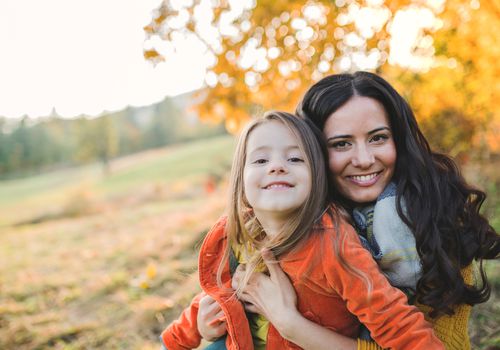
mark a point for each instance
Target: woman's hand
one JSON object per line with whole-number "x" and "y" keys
{"x": 211, "y": 320}
{"x": 272, "y": 296}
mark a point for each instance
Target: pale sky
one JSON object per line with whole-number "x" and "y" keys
{"x": 85, "y": 56}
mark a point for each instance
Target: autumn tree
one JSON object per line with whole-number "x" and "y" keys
{"x": 266, "y": 54}
{"x": 97, "y": 139}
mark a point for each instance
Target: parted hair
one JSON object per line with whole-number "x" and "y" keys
{"x": 442, "y": 210}
{"x": 243, "y": 228}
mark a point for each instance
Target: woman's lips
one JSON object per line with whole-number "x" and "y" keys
{"x": 365, "y": 180}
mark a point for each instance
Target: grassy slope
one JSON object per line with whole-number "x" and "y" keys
{"x": 117, "y": 262}
{"x": 119, "y": 266}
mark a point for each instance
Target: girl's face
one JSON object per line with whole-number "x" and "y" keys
{"x": 277, "y": 176}
{"x": 362, "y": 153}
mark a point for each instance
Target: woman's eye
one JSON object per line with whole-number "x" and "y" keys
{"x": 295, "y": 159}
{"x": 260, "y": 161}
{"x": 339, "y": 144}
{"x": 380, "y": 138}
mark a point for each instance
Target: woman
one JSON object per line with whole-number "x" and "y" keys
{"x": 374, "y": 140}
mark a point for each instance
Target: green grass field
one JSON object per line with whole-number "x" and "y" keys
{"x": 105, "y": 261}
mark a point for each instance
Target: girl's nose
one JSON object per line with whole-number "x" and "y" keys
{"x": 363, "y": 158}
{"x": 277, "y": 167}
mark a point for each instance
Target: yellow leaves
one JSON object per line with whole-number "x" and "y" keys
{"x": 151, "y": 271}
{"x": 153, "y": 55}
{"x": 148, "y": 29}
{"x": 493, "y": 135}
{"x": 237, "y": 121}
{"x": 145, "y": 279}
{"x": 293, "y": 51}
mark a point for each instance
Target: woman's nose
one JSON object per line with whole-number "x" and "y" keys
{"x": 363, "y": 158}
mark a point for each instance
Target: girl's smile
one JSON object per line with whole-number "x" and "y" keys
{"x": 279, "y": 185}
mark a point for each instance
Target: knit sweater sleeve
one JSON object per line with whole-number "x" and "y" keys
{"x": 451, "y": 330}
{"x": 355, "y": 276}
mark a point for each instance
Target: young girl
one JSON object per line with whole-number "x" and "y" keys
{"x": 279, "y": 204}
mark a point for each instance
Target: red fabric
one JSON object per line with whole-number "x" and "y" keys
{"x": 183, "y": 334}
{"x": 328, "y": 292}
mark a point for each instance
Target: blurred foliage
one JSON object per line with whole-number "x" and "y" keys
{"x": 117, "y": 258}
{"x": 266, "y": 53}
{"x": 28, "y": 146}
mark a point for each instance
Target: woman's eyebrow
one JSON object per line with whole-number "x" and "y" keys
{"x": 346, "y": 136}
{"x": 339, "y": 137}
{"x": 379, "y": 129}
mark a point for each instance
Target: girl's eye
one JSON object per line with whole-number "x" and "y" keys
{"x": 260, "y": 161}
{"x": 339, "y": 144}
{"x": 380, "y": 138}
{"x": 296, "y": 160}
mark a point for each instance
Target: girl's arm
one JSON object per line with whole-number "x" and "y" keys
{"x": 182, "y": 334}
{"x": 383, "y": 309}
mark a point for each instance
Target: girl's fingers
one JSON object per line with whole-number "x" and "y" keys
{"x": 219, "y": 314}
{"x": 222, "y": 328}
{"x": 217, "y": 320}
{"x": 209, "y": 306}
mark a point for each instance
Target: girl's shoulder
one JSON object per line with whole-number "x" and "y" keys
{"x": 335, "y": 220}
{"x": 216, "y": 233}
{"x": 333, "y": 226}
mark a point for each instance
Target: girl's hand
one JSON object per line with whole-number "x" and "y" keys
{"x": 211, "y": 320}
{"x": 272, "y": 296}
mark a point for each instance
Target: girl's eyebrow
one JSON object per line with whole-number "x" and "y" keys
{"x": 265, "y": 148}
{"x": 369, "y": 133}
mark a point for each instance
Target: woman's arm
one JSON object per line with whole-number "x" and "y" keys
{"x": 274, "y": 297}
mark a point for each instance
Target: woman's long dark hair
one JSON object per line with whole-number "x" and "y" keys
{"x": 442, "y": 210}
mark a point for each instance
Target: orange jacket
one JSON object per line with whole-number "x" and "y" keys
{"x": 328, "y": 293}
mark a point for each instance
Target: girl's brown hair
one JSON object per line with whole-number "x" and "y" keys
{"x": 242, "y": 226}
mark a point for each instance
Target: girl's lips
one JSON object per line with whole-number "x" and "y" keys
{"x": 278, "y": 186}
{"x": 365, "y": 180}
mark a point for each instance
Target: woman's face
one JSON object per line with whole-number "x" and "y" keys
{"x": 362, "y": 153}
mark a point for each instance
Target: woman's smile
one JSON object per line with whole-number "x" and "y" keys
{"x": 365, "y": 180}
{"x": 362, "y": 153}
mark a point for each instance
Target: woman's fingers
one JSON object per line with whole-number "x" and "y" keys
{"x": 252, "y": 308}
{"x": 271, "y": 263}
{"x": 238, "y": 276}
